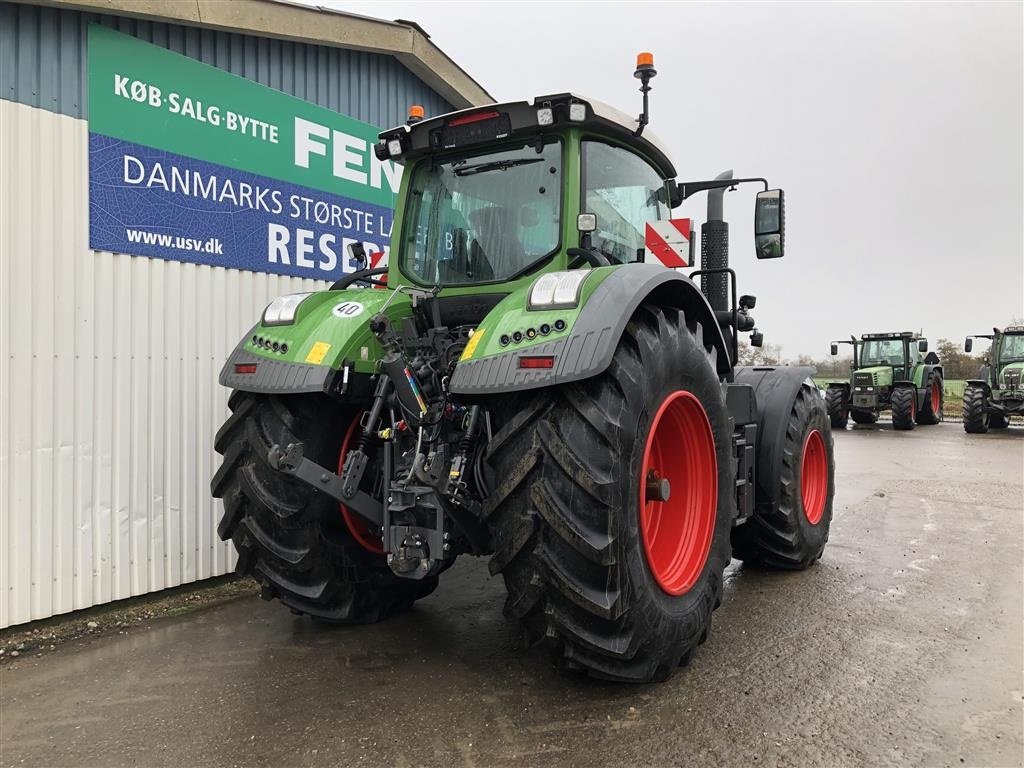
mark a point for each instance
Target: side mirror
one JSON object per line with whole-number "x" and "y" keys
{"x": 922, "y": 345}
{"x": 834, "y": 349}
{"x": 770, "y": 224}
{"x": 968, "y": 344}
{"x": 756, "y": 338}
{"x": 357, "y": 253}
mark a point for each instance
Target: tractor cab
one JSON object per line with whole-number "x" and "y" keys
{"x": 1006, "y": 357}
{"x": 900, "y": 353}
{"x": 494, "y": 197}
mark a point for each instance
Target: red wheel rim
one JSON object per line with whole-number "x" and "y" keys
{"x": 361, "y": 530}
{"x": 913, "y": 404}
{"x": 936, "y": 397}
{"x": 813, "y": 477}
{"x": 677, "y": 532}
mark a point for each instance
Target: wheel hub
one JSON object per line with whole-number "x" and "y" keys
{"x": 658, "y": 487}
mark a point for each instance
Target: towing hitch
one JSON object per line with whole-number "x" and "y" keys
{"x": 292, "y": 461}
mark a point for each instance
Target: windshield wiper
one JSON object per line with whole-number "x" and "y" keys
{"x": 495, "y": 165}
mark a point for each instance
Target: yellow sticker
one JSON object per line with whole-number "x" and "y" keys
{"x": 471, "y": 345}
{"x": 318, "y": 352}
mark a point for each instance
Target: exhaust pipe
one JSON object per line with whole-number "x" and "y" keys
{"x": 714, "y": 249}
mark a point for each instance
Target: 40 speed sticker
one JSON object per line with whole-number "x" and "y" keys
{"x": 347, "y": 309}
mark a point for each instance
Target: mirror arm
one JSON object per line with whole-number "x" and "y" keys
{"x": 593, "y": 258}
{"x": 682, "y": 191}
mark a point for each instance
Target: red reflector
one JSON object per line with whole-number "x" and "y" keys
{"x": 475, "y": 118}
{"x": 547, "y": 361}
{"x": 245, "y": 367}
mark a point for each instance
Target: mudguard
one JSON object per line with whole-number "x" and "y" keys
{"x": 775, "y": 391}
{"x": 329, "y": 338}
{"x": 980, "y": 383}
{"x": 588, "y": 343}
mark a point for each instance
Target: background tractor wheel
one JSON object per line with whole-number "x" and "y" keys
{"x": 998, "y": 421}
{"x": 931, "y": 412}
{"x": 292, "y": 539}
{"x": 904, "y": 407}
{"x": 864, "y": 417}
{"x": 617, "y": 581}
{"x": 976, "y": 418}
{"x": 792, "y": 533}
{"x": 838, "y": 412}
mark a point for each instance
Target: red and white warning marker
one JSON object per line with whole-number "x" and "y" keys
{"x": 668, "y": 242}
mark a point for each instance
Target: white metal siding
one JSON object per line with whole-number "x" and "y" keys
{"x": 109, "y": 400}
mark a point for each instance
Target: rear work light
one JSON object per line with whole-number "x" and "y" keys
{"x": 537, "y": 361}
{"x": 245, "y": 368}
{"x": 474, "y": 118}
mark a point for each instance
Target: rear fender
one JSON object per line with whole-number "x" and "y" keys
{"x": 775, "y": 391}
{"x": 330, "y": 331}
{"x": 585, "y": 348}
{"x": 980, "y": 383}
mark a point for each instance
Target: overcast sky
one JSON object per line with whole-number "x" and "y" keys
{"x": 895, "y": 130}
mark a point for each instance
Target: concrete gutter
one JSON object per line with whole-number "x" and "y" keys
{"x": 406, "y": 41}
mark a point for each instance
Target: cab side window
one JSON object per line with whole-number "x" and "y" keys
{"x": 625, "y": 193}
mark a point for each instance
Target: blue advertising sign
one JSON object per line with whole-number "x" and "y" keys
{"x": 190, "y": 163}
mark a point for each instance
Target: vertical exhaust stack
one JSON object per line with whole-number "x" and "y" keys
{"x": 714, "y": 249}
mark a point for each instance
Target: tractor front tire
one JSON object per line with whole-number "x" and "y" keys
{"x": 838, "y": 411}
{"x": 998, "y": 421}
{"x": 290, "y": 537}
{"x": 864, "y": 417}
{"x": 904, "y": 407}
{"x": 976, "y": 418}
{"x": 612, "y": 504}
{"x": 792, "y": 532}
{"x": 931, "y": 412}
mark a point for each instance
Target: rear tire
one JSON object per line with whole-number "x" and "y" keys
{"x": 904, "y": 407}
{"x": 838, "y": 411}
{"x": 864, "y": 417}
{"x": 931, "y": 412}
{"x": 976, "y": 418}
{"x": 291, "y": 538}
{"x": 792, "y": 533}
{"x": 998, "y": 421}
{"x": 567, "y": 517}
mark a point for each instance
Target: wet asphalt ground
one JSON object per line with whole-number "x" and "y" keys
{"x": 902, "y": 646}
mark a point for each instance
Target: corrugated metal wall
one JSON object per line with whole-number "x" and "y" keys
{"x": 108, "y": 363}
{"x": 43, "y": 63}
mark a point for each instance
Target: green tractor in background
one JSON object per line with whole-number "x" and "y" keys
{"x": 890, "y": 371}
{"x": 531, "y": 378}
{"x": 997, "y": 393}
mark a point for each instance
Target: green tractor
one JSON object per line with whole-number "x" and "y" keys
{"x": 531, "y": 380}
{"x": 891, "y": 371}
{"x": 997, "y": 393}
